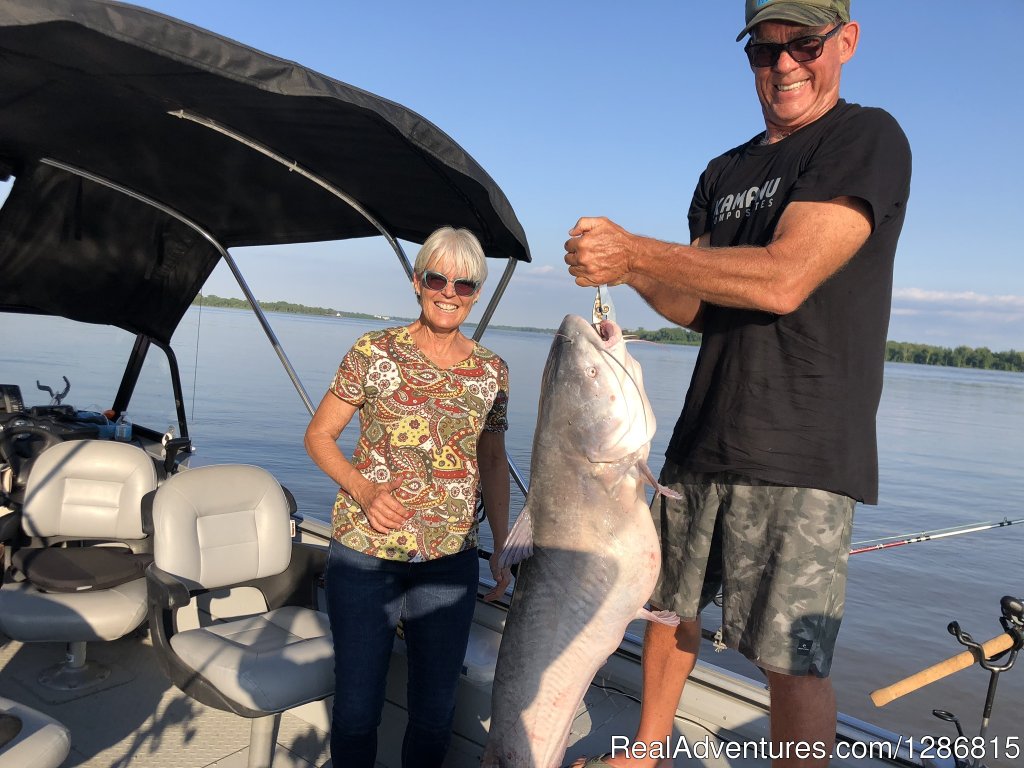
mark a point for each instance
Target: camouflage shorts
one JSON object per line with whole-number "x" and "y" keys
{"x": 777, "y": 553}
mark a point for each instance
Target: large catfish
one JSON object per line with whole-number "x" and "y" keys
{"x": 590, "y": 550}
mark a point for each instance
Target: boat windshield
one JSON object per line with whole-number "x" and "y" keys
{"x": 42, "y": 350}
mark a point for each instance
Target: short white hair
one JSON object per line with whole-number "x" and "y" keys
{"x": 458, "y": 248}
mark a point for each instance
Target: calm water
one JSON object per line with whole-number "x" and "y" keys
{"x": 950, "y": 444}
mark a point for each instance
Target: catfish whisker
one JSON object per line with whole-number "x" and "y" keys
{"x": 637, "y": 340}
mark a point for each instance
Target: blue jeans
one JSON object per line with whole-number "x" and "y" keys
{"x": 365, "y": 598}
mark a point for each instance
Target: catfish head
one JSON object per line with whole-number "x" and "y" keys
{"x": 592, "y": 394}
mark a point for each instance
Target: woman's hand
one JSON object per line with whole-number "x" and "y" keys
{"x": 503, "y": 577}
{"x": 383, "y": 511}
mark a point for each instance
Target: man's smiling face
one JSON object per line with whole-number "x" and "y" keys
{"x": 795, "y": 94}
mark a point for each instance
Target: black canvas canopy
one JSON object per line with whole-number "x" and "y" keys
{"x": 93, "y": 84}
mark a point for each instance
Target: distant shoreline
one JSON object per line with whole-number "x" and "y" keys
{"x": 980, "y": 358}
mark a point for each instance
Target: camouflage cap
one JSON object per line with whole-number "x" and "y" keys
{"x": 808, "y": 13}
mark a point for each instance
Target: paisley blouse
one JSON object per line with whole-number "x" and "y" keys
{"x": 419, "y": 423}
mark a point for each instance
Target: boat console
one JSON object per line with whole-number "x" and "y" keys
{"x": 10, "y": 399}
{"x": 63, "y": 421}
{"x": 25, "y": 432}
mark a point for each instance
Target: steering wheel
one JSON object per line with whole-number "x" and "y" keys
{"x": 22, "y": 464}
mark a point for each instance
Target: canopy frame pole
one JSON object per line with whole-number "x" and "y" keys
{"x": 257, "y": 310}
{"x": 294, "y": 167}
{"x": 499, "y": 291}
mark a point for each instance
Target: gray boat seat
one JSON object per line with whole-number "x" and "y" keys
{"x": 82, "y": 578}
{"x": 226, "y": 527}
{"x": 30, "y": 739}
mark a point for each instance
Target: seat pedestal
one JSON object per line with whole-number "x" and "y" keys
{"x": 74, "y": 673}
{"x": 263, "y": 740}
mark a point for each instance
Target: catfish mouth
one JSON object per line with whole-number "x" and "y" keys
{"x": 609, "y": 332}
{"x": 605, "y": 334}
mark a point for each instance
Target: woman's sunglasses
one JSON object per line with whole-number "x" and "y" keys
{"x": 802, "y": 49}
{"x": 435, "y": 281}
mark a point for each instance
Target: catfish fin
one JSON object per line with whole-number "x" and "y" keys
{"x": 668, "y": 618}
{"x": 646, "y": 474}
{"x": 519, "y": 544}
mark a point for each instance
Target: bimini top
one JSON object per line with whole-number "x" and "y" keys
{"x": 101, "y": 87}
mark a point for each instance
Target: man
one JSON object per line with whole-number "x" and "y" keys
{"x": 789, "y": 277}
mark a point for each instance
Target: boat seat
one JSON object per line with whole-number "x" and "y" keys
{"x": 82, "y": 577}
{"x": 30, "y": 739}
{"x": 80, "y": 569}
{"x": 228, "y": 526}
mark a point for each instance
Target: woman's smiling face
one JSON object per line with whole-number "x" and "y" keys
{"x": 444, "y": 308}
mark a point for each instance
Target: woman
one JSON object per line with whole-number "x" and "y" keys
{"x": 432, "y": 411}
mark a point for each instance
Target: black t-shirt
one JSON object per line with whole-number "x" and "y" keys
{"x": 792, "y": 399}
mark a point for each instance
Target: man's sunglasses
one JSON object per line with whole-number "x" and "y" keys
{"x": 435, "y": 281}
{"x": 801, "y": 49}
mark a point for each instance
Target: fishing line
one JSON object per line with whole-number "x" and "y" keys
{"x": 629, "y": 375}
{"x": 613, "y": 689}
{"x": 690, "y": 720}
{"x": 195, "y": 365}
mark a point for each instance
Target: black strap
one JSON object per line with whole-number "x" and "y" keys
{"x": 79, "y": 569}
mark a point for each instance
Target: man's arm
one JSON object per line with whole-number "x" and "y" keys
{"x": 672, "y": 304}
{"x": 812, "y": 242}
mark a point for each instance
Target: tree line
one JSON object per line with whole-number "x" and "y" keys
{"x": 286, "y": 307}
{"x": 956, "y": 357}
{"x": 674, "y": 335}
{"x": 895, "y": 351}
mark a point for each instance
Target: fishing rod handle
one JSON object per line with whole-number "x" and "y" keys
{"x": 993, "y": 647}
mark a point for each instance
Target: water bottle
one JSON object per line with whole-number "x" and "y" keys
{"x": 123, "y": 429}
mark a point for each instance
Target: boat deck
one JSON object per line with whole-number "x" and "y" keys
{"x": 136, "y": 718}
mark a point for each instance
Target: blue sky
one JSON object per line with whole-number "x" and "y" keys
{"x": 614, "y": 108}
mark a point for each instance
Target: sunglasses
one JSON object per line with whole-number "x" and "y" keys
{"x": 435, "y": 281}
{"x": 801, "y": 49}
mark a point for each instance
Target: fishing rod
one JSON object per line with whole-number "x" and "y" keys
{"x": 889, "y": 542}
{"x": 870, "y": 545}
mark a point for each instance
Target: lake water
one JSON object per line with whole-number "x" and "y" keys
{"x": 950, "y": 448}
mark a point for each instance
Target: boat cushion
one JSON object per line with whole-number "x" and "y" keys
{"x": 269, "y": 663}
{"x": 221, "y": 525}
{"x": 40, "y": 742}
{"x": 88, "y": 489}
{"x": 30, "y": 615}
{"x": 78, "y": 569}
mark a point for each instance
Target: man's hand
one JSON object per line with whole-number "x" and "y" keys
{"x": 383, "y": 511}
{"x": 598, "y": 252}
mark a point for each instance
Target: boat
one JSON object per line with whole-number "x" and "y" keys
{"x": 142, "y": 150}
